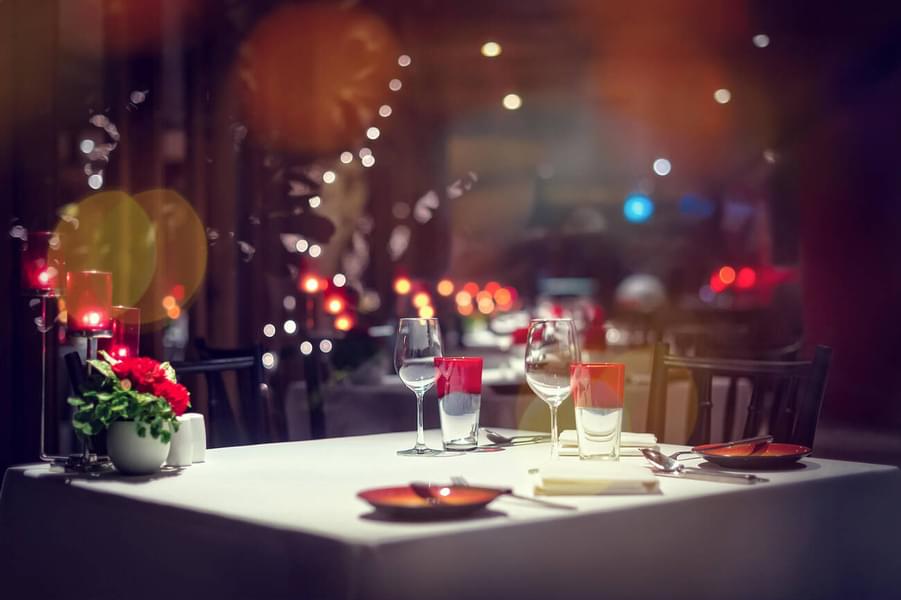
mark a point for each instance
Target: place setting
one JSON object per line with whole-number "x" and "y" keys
{"x": 595, "y": 459}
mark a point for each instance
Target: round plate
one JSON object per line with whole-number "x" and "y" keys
{"x": 755, "y": 456}
{"x": 450, "y": 501}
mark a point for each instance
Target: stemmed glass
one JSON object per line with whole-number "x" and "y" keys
{"x": 418, "y": 344}
{"x": 550, "y": 349}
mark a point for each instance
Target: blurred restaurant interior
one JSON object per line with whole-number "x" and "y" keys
{"x": 296, "y": 176}
{"x": 280, "y": 181}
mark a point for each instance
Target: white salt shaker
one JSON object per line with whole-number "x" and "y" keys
{"x": 198, "y": 434}
{"x": 181, "y": 451}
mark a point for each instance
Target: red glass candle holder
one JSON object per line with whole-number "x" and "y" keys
{"x": 126, "y": 334}
{"x": 43, "y": 267}
{"x": 89, "y": 299}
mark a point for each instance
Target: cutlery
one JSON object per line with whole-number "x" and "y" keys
{"x": 461, "y": 481}
{"x": 498, "y": 438}
{"x": 757, "y": 441}
{"x": 668, "y": 466}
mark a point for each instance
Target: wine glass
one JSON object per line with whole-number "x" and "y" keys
{"x": 550, "y": 350}
{"x": 418, "y": 343}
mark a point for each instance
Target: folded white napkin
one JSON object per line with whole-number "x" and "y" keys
{"x": 590, "y": 478}
{"x": 630, "y": 444}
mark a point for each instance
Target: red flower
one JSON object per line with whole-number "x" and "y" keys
{"x": 177, "y": 395}
{"x": 143, "y": 372}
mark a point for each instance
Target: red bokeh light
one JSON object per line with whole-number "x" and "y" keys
{"x": 746, "y": 278}
{"x": 716, "y": 284}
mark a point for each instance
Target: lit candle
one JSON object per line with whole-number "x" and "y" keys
{"x": 89, "y": 299}
{"x": 126, "y": 333}
{"x": 42, "y": 264}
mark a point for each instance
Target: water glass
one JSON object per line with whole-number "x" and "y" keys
{"x": 597, "y": 390}
{"x": 459, "y": 386}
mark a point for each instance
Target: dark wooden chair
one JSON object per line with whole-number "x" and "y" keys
{"x": 785, "y": 395}
{"x": 244, "y": 417}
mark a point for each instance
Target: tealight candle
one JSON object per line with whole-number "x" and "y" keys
{"x": 89, "y": 299}
{"x": 41, "y": 272}
{"x": 126, "y": 333}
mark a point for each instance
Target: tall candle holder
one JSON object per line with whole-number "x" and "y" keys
{"x": 89, "y": 299}
{"x": 42, "y": 268}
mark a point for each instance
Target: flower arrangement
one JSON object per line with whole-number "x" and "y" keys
{"x": 133, "y": 389}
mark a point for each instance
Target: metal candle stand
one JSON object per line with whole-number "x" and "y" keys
{"x": 88, "y": 461}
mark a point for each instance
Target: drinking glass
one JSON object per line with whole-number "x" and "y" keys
{"x": 598, "y": 399}
{"x": 418, "y": 344}
{"x": 550, "y": 350}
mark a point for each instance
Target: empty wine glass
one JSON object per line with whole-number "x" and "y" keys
{"x": 418, "y": 343}
{"x": 550, "y": 350}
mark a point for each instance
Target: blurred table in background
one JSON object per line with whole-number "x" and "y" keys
{"x": 387, "y": 406}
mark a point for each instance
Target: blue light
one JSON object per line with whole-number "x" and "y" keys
{"x": 638, "y": 208}
{"x": 696, "y": 206}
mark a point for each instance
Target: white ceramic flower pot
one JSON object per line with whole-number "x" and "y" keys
{"x": 132, "y": 454}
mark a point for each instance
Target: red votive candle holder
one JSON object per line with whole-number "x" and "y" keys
{"x": 43, "y": 266}
{"x": 89, "y": 300}
{"x": 126, "y": 335}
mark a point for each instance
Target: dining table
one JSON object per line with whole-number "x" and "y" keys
{"x": 284, "y": 520}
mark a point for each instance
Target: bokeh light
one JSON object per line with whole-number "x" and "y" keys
{"x": 421, "y": 299}
{"x": 340, "y": 280}
{"x": 404, "y": 60}
{"x": 638, "y": 208}
{"x": 761, "y": 40}
{"x": 385, "y": 111}
{"x": 512, "y": 102}
{"x": 463, "y": 298}
{"x": 426, "y": 312}
{"x": 325, "y": 346}
{"x": 344, "y": 323}
{"x": 394, "y": 85}
{"x": 269, "y": 330}
{"x": 290, "y": 326}
{"x": 491, "y": 49}
{"x": 722, "y": 96}
{"x": 110, "y": 231}
{"x": 402, "y": 286}
{"x": 662, "y": 167}
{"x": 306, "y": 348}
{"x": 445, "y": 287}
{"x": 334, "y": 305}
{"x": 727, "y": 274}
{"x": 746, "y": 278}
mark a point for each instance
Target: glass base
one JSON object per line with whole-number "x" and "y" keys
{"x": 420, "y": 452}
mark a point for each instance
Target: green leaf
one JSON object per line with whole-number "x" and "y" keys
{"x": 75, "y": 401}
{"x": 104, "y": 368}
{"x": 169, "y": 371}
{"x": 109, "y": 359}
{"x": 142, "y": 431}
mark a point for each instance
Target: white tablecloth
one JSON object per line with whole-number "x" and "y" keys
{"x": 283, "y": 521}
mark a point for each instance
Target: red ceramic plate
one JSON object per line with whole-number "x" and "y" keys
{"x": 755, "y": 456}
{"x": 449, "y": 501}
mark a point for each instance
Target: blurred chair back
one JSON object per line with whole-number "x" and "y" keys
{"x": 785, "y": 402}
{"x": 242, "y": 418}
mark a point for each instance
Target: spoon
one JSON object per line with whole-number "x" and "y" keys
{"x": 669, "y": 467}
{"x": 498, "y": 438}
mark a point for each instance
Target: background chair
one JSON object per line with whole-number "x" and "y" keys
{"x": 247, "y": 414}
{"x": 785, "y": 398}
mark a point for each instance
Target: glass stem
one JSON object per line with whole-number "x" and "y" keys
{"x": 555, "y": 452}
{"x": 420, "y": 432}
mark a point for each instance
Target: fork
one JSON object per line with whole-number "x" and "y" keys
{"x": 461, "y": 481}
